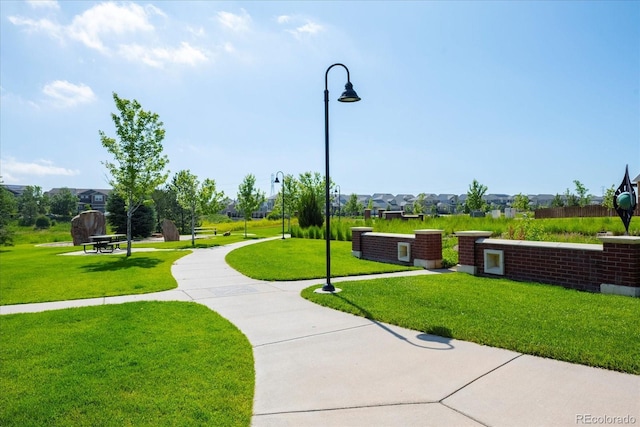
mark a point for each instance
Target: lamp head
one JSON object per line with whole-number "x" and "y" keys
{"x": 349, "y": 95}
{"x": 277, "y": 181}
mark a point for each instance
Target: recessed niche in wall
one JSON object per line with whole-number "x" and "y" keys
{"x": 404, "y": 251}
{"x": 494, "y": 262}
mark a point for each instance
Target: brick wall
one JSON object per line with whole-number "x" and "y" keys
{"x": 425, "y": 247}
{"x": 615, "y": 264}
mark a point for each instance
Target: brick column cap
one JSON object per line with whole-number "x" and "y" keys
{"x": 625, "y": 240}
{"x": 473, "y": 233}
{"x": 428, "y": 231}
{"x": 361, "y": 228}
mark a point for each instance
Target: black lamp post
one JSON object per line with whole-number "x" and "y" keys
{"x": 278, "y": 182}
{"x": 349, "y": 95}
{"x": 337, "y": 192}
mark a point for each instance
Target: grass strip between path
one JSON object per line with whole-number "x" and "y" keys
{"x": 299, "y": 259}
{"x": 142, "y": 364}
{"x": 543, "y": 320}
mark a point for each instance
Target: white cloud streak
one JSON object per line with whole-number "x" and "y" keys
{"x": 234, "y": 22}
{"x": 44, "y": 4}
{"x": 111, "y": 27}
{"x": 11, "y": 168}
{"x": 65, "y": 94}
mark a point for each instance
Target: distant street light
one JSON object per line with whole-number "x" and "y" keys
{"x": 278, "y": 182}
{"x": 349, "y": 95}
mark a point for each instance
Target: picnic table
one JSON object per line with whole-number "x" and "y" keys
{"x": 105, "y": 242}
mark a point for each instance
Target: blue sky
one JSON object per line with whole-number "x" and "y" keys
{"x": 525, "y": 97}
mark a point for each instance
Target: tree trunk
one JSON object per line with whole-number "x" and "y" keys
{"x": 193, "y": 227}
{"x": 129, "y": 215}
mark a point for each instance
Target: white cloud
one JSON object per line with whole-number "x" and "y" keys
{"x": 66, "y": 94}
{"x": 20, "y": 170}
{"x": 120, "y": 28}
{"x": 107, "y": 19}
{"x": 308, "y": 28}
{"x": 238, "y": 23}
{"x": 46, "y": 26}
{"x": 157, "y": 57}
{"x": 44, "y": 4}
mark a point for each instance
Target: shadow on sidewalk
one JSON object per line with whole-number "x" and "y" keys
{"x": 443, "y": 336}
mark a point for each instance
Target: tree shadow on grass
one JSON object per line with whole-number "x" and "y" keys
{"x": 122, "y": 263}
{"x": 443, "y": 338}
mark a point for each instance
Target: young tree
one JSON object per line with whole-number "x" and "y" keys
{"x": 609, "y": 194}
{"x": 351, "y": 208}
{"x": 418, "y": 205}
{"x": 249, "y": 198}
{"x": 583, "y": 194}
{"x": 291, "y": 188}
{"x": 31, "y": 204}
{"x": 521, "y": 202}
{"x": 65, "y": 203}
{"x": 571, "y": 199}
{"x": 475, "y": 202}
{"x": 557, "y": 201}
{"x": 139, "y": 164}
{"x": 198, "y": 199}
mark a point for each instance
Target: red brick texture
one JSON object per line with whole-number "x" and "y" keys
{"x": 426, "y": 245}
{"x": 582, "y": 267}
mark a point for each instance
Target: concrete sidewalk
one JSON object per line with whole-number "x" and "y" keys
{"x": 319, "y": 367}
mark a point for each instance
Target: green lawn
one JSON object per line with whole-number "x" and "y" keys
{"x": 39, "y": 274}
{"x": 543, "y": 320}
{"x": 297, "y": 259}
{"x": 134, "y": 364}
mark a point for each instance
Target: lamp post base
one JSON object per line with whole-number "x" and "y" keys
{"x": 327, "y": 289}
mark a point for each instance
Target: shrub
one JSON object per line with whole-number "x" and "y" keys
{"x": 42, "y": 222}
{"x": 310, "y": 212}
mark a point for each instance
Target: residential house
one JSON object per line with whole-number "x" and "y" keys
{"x": 95, "y": 199}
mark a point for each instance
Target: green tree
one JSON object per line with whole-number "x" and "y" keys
{"x": 557, "y": 201}
{"x": 583, "y": 194}
{"x": 475, "y": 201}
{"x": 609, "y": 194}
{"x": 249, "y": 199}
{"x": 521, "y": 202}
{"x": 195, "y": 197}
{"x": 138, "y": 166}
{"x": 143, "y": 220}
{"x": 167, "y": 207}
{"x": 8, "y": 207}
{"x": 571, "y": 199}
{"x": 310, "y": 210}
{"x": 418, "y": 205}
{"x": 31, "y": 204}
{"x": 351, "y": 208}
{"x": 65, "y": 203}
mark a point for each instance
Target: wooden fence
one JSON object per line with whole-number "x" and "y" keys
{"x": 577, "y": 211}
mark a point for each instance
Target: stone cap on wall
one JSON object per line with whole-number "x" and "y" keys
{"x": 473, "y": 233}
{"x": 361, "y": 228}
{"x": 539, "y": 244}
{"x": 428, "y": 231}
{"x": 625, "y": 240}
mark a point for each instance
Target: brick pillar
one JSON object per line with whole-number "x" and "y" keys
{"x": 620, "y": 265}
{"x": 467, "y": 250}
{"x": 427, "y": 249}
{"x": 367, "y": 214}
{"x": 356, "y": 242}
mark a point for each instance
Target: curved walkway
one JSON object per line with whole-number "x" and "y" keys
{"x": 320, "y": 367}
